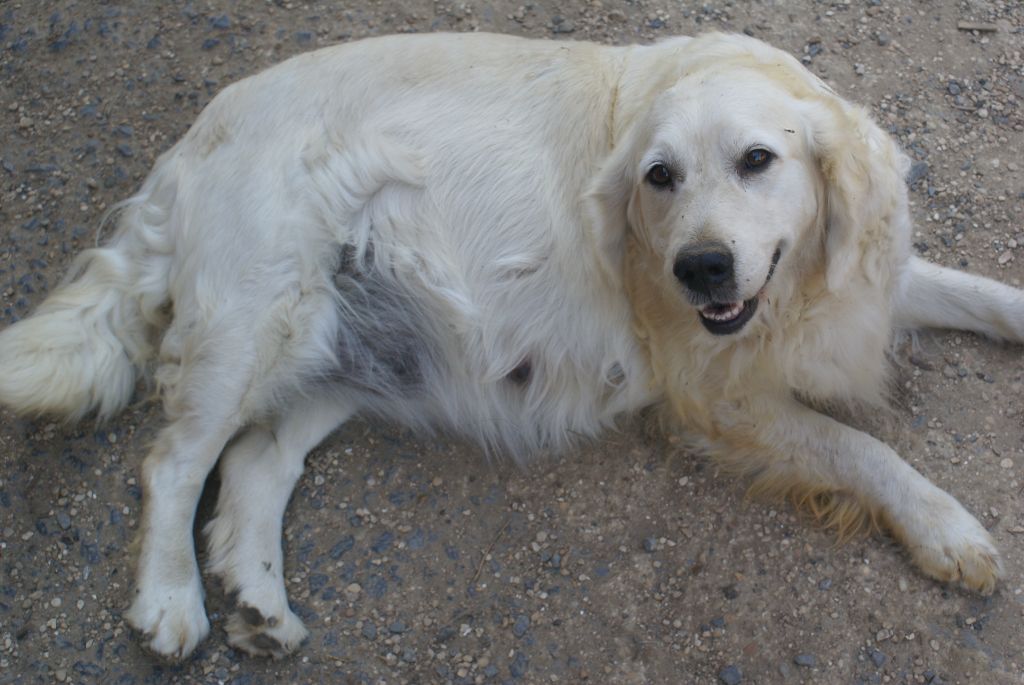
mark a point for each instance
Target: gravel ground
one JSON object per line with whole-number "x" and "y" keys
{"x": 417, "y": 561}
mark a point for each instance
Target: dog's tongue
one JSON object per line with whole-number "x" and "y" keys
{"x": 722, "y": 312}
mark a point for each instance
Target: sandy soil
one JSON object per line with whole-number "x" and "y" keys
{"x": 629, "y": 561}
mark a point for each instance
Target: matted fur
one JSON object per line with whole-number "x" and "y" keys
{"x": 457, "y": 232}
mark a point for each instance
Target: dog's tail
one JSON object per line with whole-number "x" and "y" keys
{"x": 83, "y": 348}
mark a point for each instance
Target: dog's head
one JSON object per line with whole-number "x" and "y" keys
{"x": 745, "y": 172}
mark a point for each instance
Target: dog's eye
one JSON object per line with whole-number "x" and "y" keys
{"x": 659, "y": 176}
{"x": 758, "y": 158}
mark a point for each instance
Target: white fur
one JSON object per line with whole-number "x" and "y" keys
{"x": 455, "y": 231}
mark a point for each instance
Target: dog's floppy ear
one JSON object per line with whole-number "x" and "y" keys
{"x": 864, "y": 172}
{"x": 609, "y": 202}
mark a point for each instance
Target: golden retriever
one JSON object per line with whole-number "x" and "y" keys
{"x": 518, "y": 241}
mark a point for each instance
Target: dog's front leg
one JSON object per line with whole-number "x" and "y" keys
{"x": 846, "y": 476}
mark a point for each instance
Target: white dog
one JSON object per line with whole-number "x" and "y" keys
{"x": 519, "y": 241}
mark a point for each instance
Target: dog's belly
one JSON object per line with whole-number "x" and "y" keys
{"x": 386, "y": 347}
{"x": 516, "y": 387}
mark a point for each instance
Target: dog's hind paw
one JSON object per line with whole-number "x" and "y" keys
{"x": 276, "y": 637}
{"x": 173, "y": 621}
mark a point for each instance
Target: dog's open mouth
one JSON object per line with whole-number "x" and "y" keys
{"x": 725, "y": 318}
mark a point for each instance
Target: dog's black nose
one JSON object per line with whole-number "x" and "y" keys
{"x": 706, "y": 271}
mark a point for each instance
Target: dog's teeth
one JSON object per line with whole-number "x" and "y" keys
{"x": 717, "y": 313}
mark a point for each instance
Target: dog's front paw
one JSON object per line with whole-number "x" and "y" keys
{"x": 172, "y": 620}
{"x": 274, "y": 636}
{"x": 951, "y": 545}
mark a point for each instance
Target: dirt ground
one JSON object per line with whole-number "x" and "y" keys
{"x": 417, "y": 561}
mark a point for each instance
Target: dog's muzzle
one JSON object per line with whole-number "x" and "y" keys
{"x": 709, "y": 277}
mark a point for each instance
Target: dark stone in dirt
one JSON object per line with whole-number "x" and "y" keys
{"x": 87, "y": 668}
{"x": 91, "y": 553}
{"x": 918, "y": 170}
{"x": 317, "y": 582}
{"x": 730, "y": 592}
{"x": 369, "y": 631}
{"x": 519, "y": 665}
{"x": 416, "y": 541}
{"x": 730, "y": 675}
{"x": 878, "y": 658}
{"x": 521, "y": 625}
{"x": 342, "y": 546}
{"x": 562, "y": 25}
{"x": 446, "y": 633}
{"x": 805, "y": 660}
{"x": 383, "y": 542}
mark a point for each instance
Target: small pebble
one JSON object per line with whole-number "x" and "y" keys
{"x": 519, "y": 665}
{"x": 805, "y": 660}
{"x": 1006, "y": 464}
{"x": 63, "y": 520}
{"x": 918, "y": 170}
{"x": 730, "y": 675}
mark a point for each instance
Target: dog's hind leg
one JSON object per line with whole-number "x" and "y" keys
{"x": 258, "y": 473}
{"x": 229, "y": 360}
{"x": 168, "y": 605}
{"x": 931, "y": 296}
